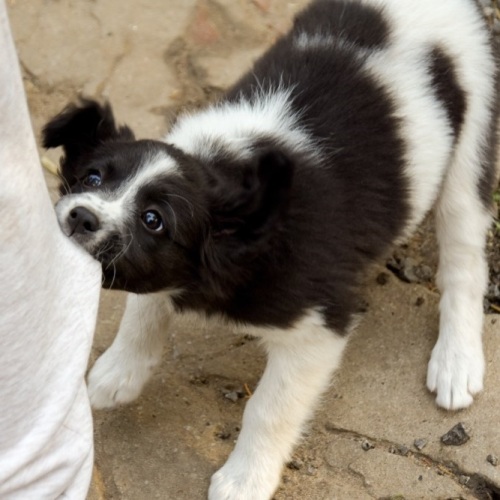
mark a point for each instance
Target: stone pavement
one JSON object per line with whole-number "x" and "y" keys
{"x": 152, "y": 58}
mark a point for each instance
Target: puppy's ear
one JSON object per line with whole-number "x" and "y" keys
{"x": 80, "y": 128}
{"x": 247, "y": 203}
{"x": 247, "y": 199}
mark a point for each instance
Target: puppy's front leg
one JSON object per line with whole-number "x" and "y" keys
{"x": 300, "y": 364}
{"x": 456, "y": 367}
{"x": 119, "y": 375}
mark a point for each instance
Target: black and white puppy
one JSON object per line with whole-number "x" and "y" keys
{"x": 266, "y": 208}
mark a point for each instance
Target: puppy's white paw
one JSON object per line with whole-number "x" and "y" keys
{"x": 455, "y": 373}
{"x": 116, "y": 379}
{"x": 237, "y": 480}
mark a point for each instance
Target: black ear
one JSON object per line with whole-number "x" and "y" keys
{"x": 247, "y": 205}
{"x": 81, "y": 127}
{"x": 249, "y": 198}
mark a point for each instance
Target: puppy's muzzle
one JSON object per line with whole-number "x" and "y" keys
{"x": 81, "y": 221}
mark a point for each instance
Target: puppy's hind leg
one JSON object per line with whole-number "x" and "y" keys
{"x": 456, "y": 367}
{"x": 119, "y": 375}
{"x": 300, "y": 364}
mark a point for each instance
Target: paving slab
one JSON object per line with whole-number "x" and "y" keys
{"x": 152, "y": 59}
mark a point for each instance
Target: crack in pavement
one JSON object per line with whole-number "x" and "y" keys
{"x": 482, "y": 487}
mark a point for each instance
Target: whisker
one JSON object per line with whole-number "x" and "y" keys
{"x": 64, "y": 183}
{"x": 121, "y": 252}
{"x": 114, "y": 276}
{"x": 175, "y": 218}
{"x": 185, "y": 200}
{"x": 141, "y": 326}
{"x": 103, "y": 250}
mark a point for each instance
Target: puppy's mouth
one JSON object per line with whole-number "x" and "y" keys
{"x": 111, "y": 250}
{"x": 84, "y": 226}
{"x": 108, "y": 249}
{"x": 111, "y": 253}
{"x": 108, "y": 244}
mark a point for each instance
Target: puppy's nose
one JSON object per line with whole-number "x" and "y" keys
{"x": 82, "y": 221}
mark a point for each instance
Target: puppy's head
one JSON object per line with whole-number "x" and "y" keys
{"x": 155, "y": 217}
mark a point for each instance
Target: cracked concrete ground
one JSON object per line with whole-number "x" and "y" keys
{"x": 152, "y": 58}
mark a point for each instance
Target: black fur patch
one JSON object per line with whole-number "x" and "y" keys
{"x": 80, "y": 129}
{"x": 169, "y": 260}
{"x": 347, "y": 211}
{"x": 361, "y": 25}
{"x": 447, "y": 88}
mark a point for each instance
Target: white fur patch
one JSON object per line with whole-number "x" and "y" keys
{"x": 403, "y": 69}
{"x": 456, "y": 367}
{"x": 237, "y": 125}
{"x": 434, "y": 163}
{"x": 315, "y": 41}
{"x": 300, "y": 364}
{"x": 114, "y": 208}
{"x": 120, "y": 374}
{"x": 306, "y": 41}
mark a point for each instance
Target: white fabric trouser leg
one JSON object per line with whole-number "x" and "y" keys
{"x": 49, "y": 292}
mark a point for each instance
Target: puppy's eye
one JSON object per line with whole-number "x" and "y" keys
{"x": 93, "y": 179}
{"x": 152, "y": 221}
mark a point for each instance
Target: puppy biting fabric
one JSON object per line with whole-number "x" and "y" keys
{"x": 266, "y": 208}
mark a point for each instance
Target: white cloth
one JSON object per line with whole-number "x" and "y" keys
{"x": 49, "y": 293}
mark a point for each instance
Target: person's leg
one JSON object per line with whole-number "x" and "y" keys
{"x": 49, "y": 293}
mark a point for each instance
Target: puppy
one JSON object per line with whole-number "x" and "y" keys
{"x": 266, "y": 208}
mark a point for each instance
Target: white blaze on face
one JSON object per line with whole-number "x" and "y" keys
{"x": 115, "y": 208}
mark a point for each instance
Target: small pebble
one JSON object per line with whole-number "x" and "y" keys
{"x": 366, "y": 445}
{"x": 463, "y": 479}
{"x": 311, "y": 470}
{"x": 492, "y": 459}
{"x": 399, "y": 449}
{"x": 424, "y": 272}
{"x": 403, "y": 450}
{"x": 420, "y": 444}
{"x": 382, "y": 278}
{"x": 407, "y": 270}
{"x": 456, "y": 436}
{"x": 295, "y": 464}
{"x": 419, "y": 301}
{"x": 232, "y": 395}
